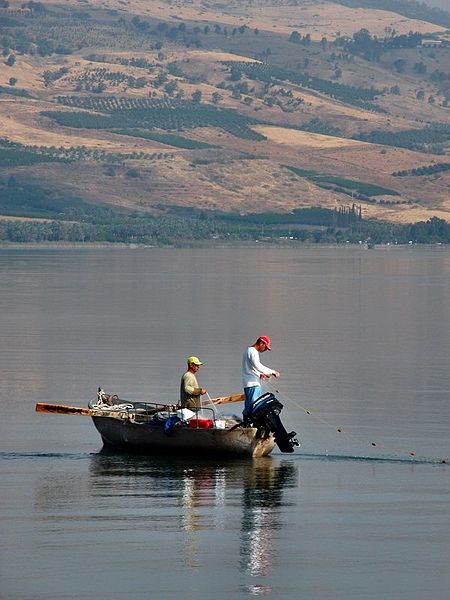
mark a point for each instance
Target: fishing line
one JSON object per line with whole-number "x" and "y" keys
{"x": 388, "y": 459}
{"x": 213, "y": 407}
{"x": 340, "y": 430}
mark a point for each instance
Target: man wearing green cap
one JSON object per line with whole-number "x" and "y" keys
{"x": 190, "y": 392}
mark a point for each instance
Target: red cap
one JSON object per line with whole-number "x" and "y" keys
{"x": 266, "y": 340}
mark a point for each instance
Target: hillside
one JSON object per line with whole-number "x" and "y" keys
{"x": 248, "y": 107}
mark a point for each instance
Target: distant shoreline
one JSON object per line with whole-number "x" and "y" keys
{"x": 205, "y": 246}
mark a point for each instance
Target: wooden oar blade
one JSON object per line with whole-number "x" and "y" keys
{"x": 62, "y": 409}
{"x": 226, "y": 399}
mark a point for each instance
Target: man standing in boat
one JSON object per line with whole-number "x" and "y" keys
{"x": 253, "y": 371}
{"x": 190, "y": 392}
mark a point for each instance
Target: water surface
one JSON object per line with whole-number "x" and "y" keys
{"x": 362, "y": 339}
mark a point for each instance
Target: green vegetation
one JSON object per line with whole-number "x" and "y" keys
{"x": 356, "y": 96}
{"x": 433, "y": 138}
{"x": 146, "y": 113}
{"x": 33, "y": 201}
{"x": 9, "y": 22}
{"x": 13, "y": 91}
{"x": 315, "y": 125}
{"x": 10, "y": 61}
{"x": 360, "y": 187}
{"x": 33, "y": 33}
{"x": 314, "y": 215}
{"x": 169, "y": 139}
{"x": 96, "y": 80}
{"x": 14, "y": 153}
{"x": 426, "y": 170}
{"x": 371, "y": 47}
{"x": 51, "y": 76}
{"x": 72, "y": 220}
{"x": 138, "y": 62}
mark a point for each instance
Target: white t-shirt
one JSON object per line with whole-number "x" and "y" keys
{"x": 252, "y": 368}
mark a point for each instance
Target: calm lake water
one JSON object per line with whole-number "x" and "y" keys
{"x": 362, "y": 340}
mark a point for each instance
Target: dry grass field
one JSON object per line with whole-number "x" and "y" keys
{"x": 317, "y": 18}
{"x": 245, "y": 172}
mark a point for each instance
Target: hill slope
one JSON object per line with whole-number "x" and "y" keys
{"x": 266, "y": 107}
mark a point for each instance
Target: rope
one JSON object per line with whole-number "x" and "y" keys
{"x": 112, "y": 407}
{"x": 212, "y": 405}
{"x": 308, "y": 412}
{"x": 106, "y": 404}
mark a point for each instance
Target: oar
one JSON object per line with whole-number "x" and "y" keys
{"x": 226, "y": 399}
{"x": 62, "y": 409}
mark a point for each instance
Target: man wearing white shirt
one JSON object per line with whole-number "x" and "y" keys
{"x": 253, "y": 371}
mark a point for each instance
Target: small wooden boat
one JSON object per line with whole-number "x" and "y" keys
{"x": 150, "y": 437}
{"x": 162, "y": 429}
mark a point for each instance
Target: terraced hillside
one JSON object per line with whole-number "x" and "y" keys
{"x": 245, "y": 108}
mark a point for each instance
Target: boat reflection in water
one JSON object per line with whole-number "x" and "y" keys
{"x": 262, "y": 496}
{"x": 242, "y": 498}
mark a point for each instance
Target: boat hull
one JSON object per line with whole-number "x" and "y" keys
{"x": 142, "y": 437}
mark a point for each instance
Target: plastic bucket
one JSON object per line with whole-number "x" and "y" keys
{"x": 201, "y": 424}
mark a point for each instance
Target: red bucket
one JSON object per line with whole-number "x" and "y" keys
{"x": 201, "y": 424}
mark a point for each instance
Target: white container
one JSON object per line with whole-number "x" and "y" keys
{"x": 221, "y": 424}
{"x": 185, "y": 414}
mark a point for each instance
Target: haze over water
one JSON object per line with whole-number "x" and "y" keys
{"x": 362, "y": 340}
{"x": 439, "y": 4}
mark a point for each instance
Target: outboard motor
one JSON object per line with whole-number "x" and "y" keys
{"x": 265, "y": 414}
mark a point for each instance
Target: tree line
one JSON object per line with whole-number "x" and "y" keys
{"x": 72, "y": 220}
{"x": 432, "y": 138}
{"x": 362, "y": 43}
{"x": 356, "y": 96}
{"x": 425, "y": 170}
{"x": 15, "y": 153}
{"x": 148, "y": 114}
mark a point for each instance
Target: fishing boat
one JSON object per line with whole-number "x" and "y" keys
{"x": 154, "y": 428}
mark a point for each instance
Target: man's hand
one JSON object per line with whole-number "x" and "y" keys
{"x": 203, "y": 391}
{"x": 276, "y": 374}
{"x": 264, "y": 376}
